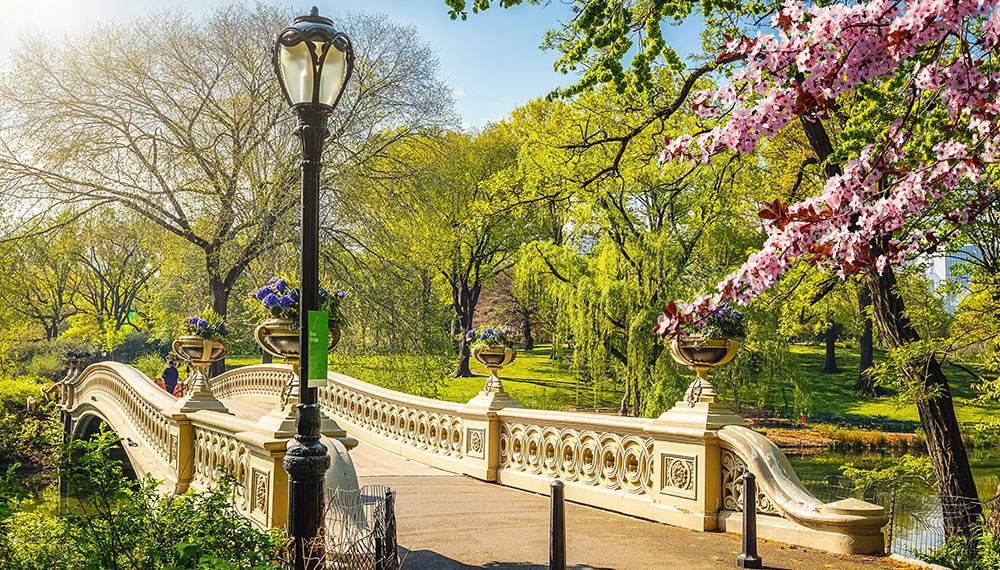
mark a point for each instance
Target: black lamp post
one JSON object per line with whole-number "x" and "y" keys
{"x": 313, "y": 62}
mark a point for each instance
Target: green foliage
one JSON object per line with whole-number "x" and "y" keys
{"x": 978, "y": 551}
{"x": 151, "y": 364}
{"x": 417, "y": 374}
{"x": 899, "y": 473}
{"x": 122, "y": 524}
{"x": 28, "y": 434}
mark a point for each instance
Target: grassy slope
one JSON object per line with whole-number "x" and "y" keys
{"x": 833, "y": 395}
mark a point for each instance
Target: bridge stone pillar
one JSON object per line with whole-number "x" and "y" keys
{"x": 481, "y": 440}
{"x": 687, "y": 464}
{"x": 181, "y": 452}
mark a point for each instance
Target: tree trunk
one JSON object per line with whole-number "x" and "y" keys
{"x": 529, "y": 341}
{"x": 636, "y": 402}
{"x": 220, "y": 304}
{"x": 464, "y": 299}
{"x": 955, "y": 484}
{"x": 830, "y": 367}
{"x": 866, "y": 346}
{"x": 623, "y": 408}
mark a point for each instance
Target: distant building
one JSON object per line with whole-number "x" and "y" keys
{"x": 941, "y": 270}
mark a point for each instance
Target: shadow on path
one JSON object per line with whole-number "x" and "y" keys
{"x": 430, "y": 560}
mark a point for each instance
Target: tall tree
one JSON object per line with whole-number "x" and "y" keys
{"x": 190, "y": 131}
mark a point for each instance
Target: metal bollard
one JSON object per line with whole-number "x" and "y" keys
{"x": 557, "y": 527}
{"x": 748, "y": 558}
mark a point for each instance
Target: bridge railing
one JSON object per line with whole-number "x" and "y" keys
{"x": 682, "y": 468}
{"x": 184, "y": 449}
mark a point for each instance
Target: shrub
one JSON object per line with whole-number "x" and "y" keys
{"x": 150, "y": 364}
{"x": 26, "y": 436}
{"x": 120, "y": 524}
{"x": 978, "y": 551}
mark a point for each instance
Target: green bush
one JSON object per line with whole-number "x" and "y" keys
{"x": 150, "y": 364}
{"x": 26, "y": 436}
{"x": 118, "y": 523}
{"x": 979, "y": 551}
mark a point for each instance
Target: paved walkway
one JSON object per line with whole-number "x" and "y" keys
{"x": 452, "y": 522}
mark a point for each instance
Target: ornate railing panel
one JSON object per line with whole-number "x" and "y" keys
{"x": 599, "y": 459}
{"x": 262, "y": 380}
{"x": 431, "y": 431}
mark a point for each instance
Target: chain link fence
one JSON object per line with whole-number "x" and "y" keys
{"x": 916, "y": 520}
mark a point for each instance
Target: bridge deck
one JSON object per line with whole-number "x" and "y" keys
{"x": 452, "y": 522}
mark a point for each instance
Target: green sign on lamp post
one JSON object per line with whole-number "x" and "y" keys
{"x": 319, "y": 335}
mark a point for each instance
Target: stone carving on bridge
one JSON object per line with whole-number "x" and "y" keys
{"x": 607, "y": 460}
{"x": 260, "y": 491}
{"x": 733, "y": 469}
{"x": 678, "y": 474}
{"x": 477, "y": 442}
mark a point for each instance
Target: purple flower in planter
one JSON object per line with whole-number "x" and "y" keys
{"x": 270, "y": 301}
{"x": 280, "y": 285}
{"x": 193, "y": 321}
{"x": 469, "y": 335}
{"x": 209, "y": 330}
{"x": 294, "y": 294}
{"x": 202, "y": 323}
{"x": 263, "y": 292}
{"x": 221, "y": 328}
{"x": 285, "y": 301}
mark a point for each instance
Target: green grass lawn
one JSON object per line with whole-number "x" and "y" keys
{"x": 833, "y": 395}
{"x": 538, "y": 382}
{"x": 532, "y": 379}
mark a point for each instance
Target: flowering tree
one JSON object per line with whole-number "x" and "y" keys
{"x": 927, "y": 173}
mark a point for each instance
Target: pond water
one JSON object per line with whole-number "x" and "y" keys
{"x": 917, "y": 521}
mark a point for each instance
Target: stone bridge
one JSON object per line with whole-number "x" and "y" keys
{"x": 682, "y": 469}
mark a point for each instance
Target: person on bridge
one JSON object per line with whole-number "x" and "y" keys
{"x": 169, "y": 377}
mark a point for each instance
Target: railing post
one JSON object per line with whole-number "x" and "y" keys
{"x": 557, "y": 527}
{"x": 748, "y": 558}
{"x": 183, "y": 452}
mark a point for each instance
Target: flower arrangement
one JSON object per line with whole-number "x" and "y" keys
{"x": 723, "y": 322}
{"x": 279, "y": 299}
{"x": 208, "y": 326}
{"x": 73, "y": 354}
{"x": 490, "y": 337}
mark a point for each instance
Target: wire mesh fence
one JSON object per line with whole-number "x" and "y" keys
{"x": 917, "y": 521}
{"x": 361, "y": 529}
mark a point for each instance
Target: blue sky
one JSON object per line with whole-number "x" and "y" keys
{"x": 492, "y": 61}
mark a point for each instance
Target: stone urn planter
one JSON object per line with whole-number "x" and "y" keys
{"x": 701, "y": 356}
{"x": 280, "y": 337}
{"x": 494, "y": 358}
{"x": 200, "y": 353}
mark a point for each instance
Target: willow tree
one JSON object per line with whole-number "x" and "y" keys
{"x": 639, "y": 234}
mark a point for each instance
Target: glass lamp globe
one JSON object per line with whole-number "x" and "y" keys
{"x": 313, "y": 62}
